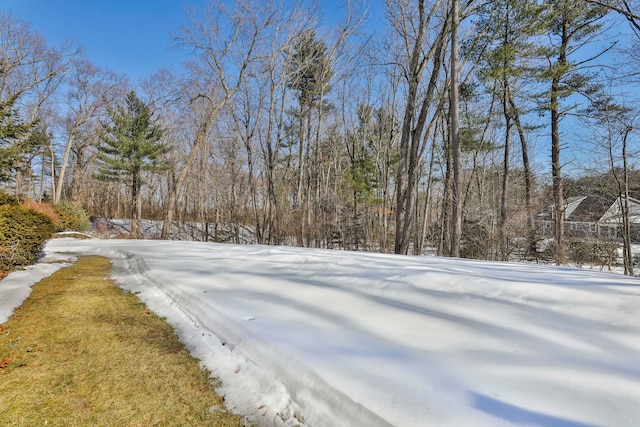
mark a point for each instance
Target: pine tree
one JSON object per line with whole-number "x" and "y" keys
{"x": 130, "y": 148}
{"x": 512, "y": 28}
{"x": 574, "y": 25}
{"x": 13, "y": 138}
{"x": 309, "y": 69}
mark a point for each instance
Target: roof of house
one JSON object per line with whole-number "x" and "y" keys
{"x": 614, "y": 213}
{"x": 587, "y": 208}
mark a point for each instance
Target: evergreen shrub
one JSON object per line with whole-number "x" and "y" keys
{"x": 72, "y": 217}
{"x": 7, "y": 199}
{"x": 23, "y": 232}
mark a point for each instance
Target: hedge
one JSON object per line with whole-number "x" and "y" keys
{"x": 23, "y": 232}
{"x": 7, "y": 199}
{"x": 72, "y": 217}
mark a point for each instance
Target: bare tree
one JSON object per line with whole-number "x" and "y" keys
{"x": 30, "y": 70}
{"x": 226, "y": 41}
{"x": 613, "y": 124}
{"x": 90, "y": 90}
{"x": 274, "y": 133}
{"x": 419, "y": 53}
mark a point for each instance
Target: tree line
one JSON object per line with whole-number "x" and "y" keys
{"x": 439, "y": 124}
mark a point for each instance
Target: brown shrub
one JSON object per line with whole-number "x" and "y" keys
{"x": 43, "y": 208}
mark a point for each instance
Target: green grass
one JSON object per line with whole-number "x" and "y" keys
{"x": 80, "y": 352}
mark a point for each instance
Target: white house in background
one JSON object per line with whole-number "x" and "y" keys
{"x": 594, "y": 217}
{"x": 586, "y": 208}
{"x": 614, "y": 214}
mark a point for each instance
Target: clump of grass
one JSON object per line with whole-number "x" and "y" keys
{"x": 81, "y": 352}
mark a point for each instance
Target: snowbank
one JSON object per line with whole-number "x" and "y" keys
{"x": 326, "y": 338}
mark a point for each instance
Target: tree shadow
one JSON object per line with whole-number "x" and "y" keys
{"x": 517, "y": 415}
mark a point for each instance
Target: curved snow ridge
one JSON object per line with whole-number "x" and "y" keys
{"x": 311, "y": 400}
{"x": 319, "y": 403}
{"x": 254, "y": 399}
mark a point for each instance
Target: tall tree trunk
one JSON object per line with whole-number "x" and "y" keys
{"x": 318, "y": 165}
{"x": 77, "y": 195}
{"x": 506, "y": 111}
{"x": 403, "y": 216}
{"x": 135, "y": 189}
{"x": 412, "y": 139}
{"x": 57, "y": 195}
{"x": 299, "y": 201}
{"x": 628, "y": 258}
{"x": 456, "y": 188}
{"x": 525, "y": 165}
{"x": 53, "y": 167}
{"x": 623, "y": 200}
{"x": 427, "y": 202}
{"x": 556, "y": 172}
{"x": 254, "y": 191}
{"x": 444, "y": 247}
{"x": 174, "y": 192}
{"x": 139, "y": 214}
{"x": 275, "y": 120}
{"x": 561, "y": 68}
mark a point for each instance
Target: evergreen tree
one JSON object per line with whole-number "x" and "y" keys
{"x": 13, "y": 138}
{"x": 573, "y": 25}
{"x": 512, "y": 28}
{"x": 309, "y": 69}
{"x": 131, "y": 147}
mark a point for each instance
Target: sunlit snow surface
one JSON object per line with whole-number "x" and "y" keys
{"x": 333, "y": 338}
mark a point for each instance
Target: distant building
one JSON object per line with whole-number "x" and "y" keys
{"x": 582, "y": 209}
{"x": 613, "y": 215}
{"x": 593, "y": 217}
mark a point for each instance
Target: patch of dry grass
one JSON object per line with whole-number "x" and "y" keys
{"x": 80, "y": 352}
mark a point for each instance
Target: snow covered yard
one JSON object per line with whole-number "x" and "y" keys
{"x": 328, "y": 338}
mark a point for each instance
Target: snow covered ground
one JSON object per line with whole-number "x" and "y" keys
{"x": 332, "y": 338}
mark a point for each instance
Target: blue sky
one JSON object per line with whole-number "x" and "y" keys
{"x": 131, "y": 37}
